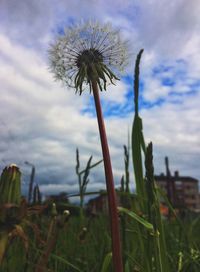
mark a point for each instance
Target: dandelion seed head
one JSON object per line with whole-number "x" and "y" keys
{"x": 88, "y": 52}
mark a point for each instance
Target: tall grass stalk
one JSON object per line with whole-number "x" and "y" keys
{"x": 31, "y": 182}
{"x": 153, "y": 247}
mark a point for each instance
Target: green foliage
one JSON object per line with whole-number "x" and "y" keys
{"x": 139, "y": 219}
{"x": 10, "y": 198}
{"x": 138, "y": 139}
{"x": 152, "y": 247}
{"x": 10, "y": 185}
{"x": 107, "y": 263}
{"x": 71, "y": 254}
{"x": 83, "y": 178}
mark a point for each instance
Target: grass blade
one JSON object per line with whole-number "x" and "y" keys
{"x": 107, "y": 262}
{"x": 139, "y": 219}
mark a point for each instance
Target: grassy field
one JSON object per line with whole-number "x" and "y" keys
{"x": 90, "y": 250}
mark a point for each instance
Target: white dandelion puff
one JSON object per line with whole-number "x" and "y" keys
{"x": 86, "y": 53}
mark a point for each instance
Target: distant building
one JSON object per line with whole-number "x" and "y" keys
{"x": 100, "y": 203}
{"x": 182, "y": 191}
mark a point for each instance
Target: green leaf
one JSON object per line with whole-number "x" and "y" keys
{"x": 3, "y": 244}
{"x": 139, "y": 219}
{"x": 127, "y": 269}
{"x": 62, "y": 260}
{"x": 91, "y": 166}
{"x": 107, "y": 262}
{"x": 137, "y": 143}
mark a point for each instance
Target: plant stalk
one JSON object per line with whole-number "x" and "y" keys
{"x": 30, "y": 192}
{"x": 114, "y": 221}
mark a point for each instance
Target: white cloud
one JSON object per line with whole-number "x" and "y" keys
{"x": 153, "y": 89}
{"x": 115, "y": 93}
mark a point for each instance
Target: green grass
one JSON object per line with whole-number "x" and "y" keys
{"x": 93, "y": 253}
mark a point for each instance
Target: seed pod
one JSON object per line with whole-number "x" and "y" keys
{"x": 66, "y": 215}
{"x": 82, "y": 234}
{"x": 54, "y": 210}
{"x": 62, "y": 219}
{"x": 10, "y": 185}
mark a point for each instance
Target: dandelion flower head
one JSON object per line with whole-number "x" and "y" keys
{"x": 86, "y": 53}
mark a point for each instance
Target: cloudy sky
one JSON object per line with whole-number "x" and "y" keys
{"x": 42, "y": 121}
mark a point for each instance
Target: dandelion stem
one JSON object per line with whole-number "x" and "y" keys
{"x": 114, "y": 221}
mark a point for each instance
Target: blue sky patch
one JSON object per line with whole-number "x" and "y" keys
{"x": 112, "y": 109}
{"x": 168, "y": 81}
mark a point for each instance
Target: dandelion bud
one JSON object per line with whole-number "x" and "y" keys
{"x": 10, "y": 185}
{"x": 62, "y": 219}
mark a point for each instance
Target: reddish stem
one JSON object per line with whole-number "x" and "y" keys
{"x": 114, "y": 221}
